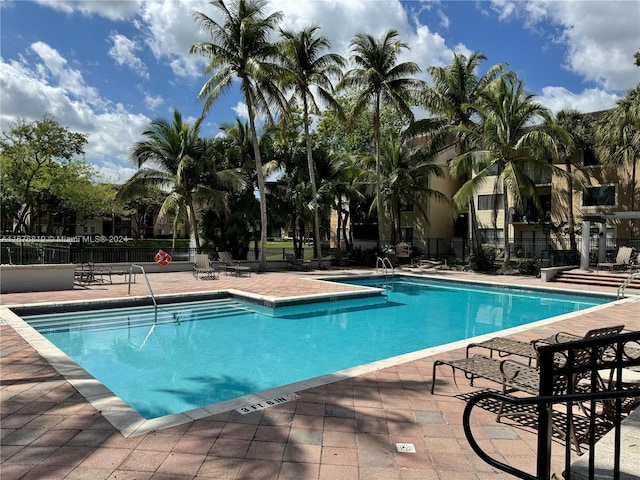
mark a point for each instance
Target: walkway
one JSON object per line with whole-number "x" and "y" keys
{"x": 338, "y": 431}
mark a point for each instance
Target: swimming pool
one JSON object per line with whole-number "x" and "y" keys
{"x": 189, "y": 355}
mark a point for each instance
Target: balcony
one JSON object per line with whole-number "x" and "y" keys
{"x": 529, "y": 216}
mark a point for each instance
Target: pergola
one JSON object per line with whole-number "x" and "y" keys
{"x": 600, "y": 218}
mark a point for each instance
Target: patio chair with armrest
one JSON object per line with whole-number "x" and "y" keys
{"x": 230, "y": 265}
{"x": 624, "y": 260}
{"x": 203, "y": 268}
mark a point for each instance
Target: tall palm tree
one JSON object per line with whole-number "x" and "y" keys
{"x": 240, "y": 48}
{"x": 577, "y": 128}
{"x": 506, "y": 139}
{"x": 307, "y": 67}
{"x": 171, "y": 156}
{"x": 379, "y": 78}
{"x": 455, "y": 87}
{"x": 618, "y": 136}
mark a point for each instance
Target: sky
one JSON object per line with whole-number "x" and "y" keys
{"x": 107, "y": 68}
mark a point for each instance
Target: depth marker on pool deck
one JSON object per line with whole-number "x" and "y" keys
{"x": 268, "y": 403}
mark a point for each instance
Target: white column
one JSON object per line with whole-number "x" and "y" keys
{"x": 584, "y": 245}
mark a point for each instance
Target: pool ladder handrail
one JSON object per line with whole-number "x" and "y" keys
{"x": 144, "y": 274}
{"x": 384, "y": 261}
{"x": 626, "y": 283}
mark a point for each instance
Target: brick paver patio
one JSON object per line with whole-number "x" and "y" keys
{"x": 343, "y": 430}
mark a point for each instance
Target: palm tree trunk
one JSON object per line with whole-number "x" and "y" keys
{"x": 505, "y": 229}
{"x": 573, "y": 244}
{"x": 475, "y": 231}
{"x": 376, "y": 140}
{"x": 261, "y": 190}
{"x": 193, "y": 223}
{"x": 633, "y": 198}
{"x": 312, "y": 178}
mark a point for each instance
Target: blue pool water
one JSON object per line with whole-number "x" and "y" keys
{"x": 190, "y": 355}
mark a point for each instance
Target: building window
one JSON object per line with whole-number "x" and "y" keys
{"x": 488, "y": 202}
{"x": 406, "y": 207}
{"x": 494, "y": 169}
{"x": 589, "y": 158}
{"x": 602, "y": 195}
{"x": 406, "y": 235}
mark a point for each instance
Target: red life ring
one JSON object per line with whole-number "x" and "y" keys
{"x": 163, "y": 258}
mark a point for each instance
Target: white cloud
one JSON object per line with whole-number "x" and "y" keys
{"x": 114, "y": 10}
{"x": 600, "y": 36}
{"x": 123, "y": 53}
{"x": 49, "y": 87}
{"x": 590, "y": 100}
{"x": 153, "y": 102}
{"x": 241, "y": 110}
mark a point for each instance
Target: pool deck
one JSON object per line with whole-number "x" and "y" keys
{"x": 340, "y": 428}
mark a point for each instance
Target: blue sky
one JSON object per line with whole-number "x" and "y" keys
{"x": 107, "y": 68}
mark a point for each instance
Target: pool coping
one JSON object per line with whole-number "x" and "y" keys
{"x": 130, "y": 423}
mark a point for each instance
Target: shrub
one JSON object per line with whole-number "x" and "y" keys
{"x": 484, "y": 260}
{"x": 528, "y": 266}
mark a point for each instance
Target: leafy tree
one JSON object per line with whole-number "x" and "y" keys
{"x": 455, "y": 88}
{"x": 307, "y": 67}
{"x": 142, "y": 209}
{"x": 34, "y": 155}
{"x": 505, "y": 140}
{"x": 241, "y": 48}
{"x": 618, "y": 136}
{"x": 379, "y": 79}
{"x": 170, "y": 158}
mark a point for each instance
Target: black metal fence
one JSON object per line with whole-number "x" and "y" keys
{"x": 24, "y": 253}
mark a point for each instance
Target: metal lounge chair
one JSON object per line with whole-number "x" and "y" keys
{"x": 230, "y": 265}
{"x": 513, "y": 376}
{"x": 203, "y": 268}
{"x": 507, "y": 346}
{"x": 562, "y": 337}
{"x": 624, "y": 260}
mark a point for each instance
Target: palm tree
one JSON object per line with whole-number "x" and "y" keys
{"x": 171, "y": 156}
{"x": 506, "y": 139}
{"x": 240, "y": 48}
{"x": 455, "y": 87}
{"x": 307, "y": 68}
{"x": 618, "y": 136}
{"x": 379, "y": 78}
{"x": 339, "y": 173}
{"x": 405, "y": 174}
{"x": 577, "y": 127}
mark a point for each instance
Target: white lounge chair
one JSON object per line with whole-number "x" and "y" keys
{"x": 623, "y": 260}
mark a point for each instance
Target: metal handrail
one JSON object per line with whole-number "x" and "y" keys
{"x": 144, "y": 274}
{"x": 626, "y": 283}
{"x": 384, "y": 262}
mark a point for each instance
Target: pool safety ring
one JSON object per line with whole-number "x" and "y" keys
{"x": 163, "y": 258}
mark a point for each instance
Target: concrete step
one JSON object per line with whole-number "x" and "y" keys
{"x": 600, "y": 278}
